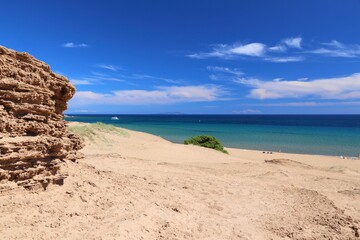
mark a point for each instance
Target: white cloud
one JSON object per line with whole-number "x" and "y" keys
{"x": 285, "y": 59}
{"x": 338, "y": 49}
{"x": 293, "y": 42}
{"x": 334, "y": 43}
{"x": 74, "y": 45}
{"x": 333, "y": 52}
{"x": 278, "y": 48}
{"x": 161, "y": 95}
{"x": 287, "y": 43}
{"x": 223, "y": 73}
{"x": 233, "y": 71}
{"x": 330, "y": 88}
{"x": 252, "y": 49}
{"x": 215, "y": 54}
{"x": 225, "y": 51}
{"x": 214, "y": 77}
{"x": 95, "y": 78}
{"x": 146, "y": 76}
{"x": 109, "y": 67}
{"x": 280, "y": 52}
{"x": 80, "y": 82}
{"x": 344, "y": 52}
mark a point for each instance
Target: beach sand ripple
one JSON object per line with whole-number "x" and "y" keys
{"x": 134, "y": 185}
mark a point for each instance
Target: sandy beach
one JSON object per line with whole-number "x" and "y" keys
{"x": 133, "y": 185}
{"x": 180, "y": 120}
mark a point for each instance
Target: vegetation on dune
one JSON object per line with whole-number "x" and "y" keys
{"x": 206, "y": 141}
{"x": 91, "y": 131}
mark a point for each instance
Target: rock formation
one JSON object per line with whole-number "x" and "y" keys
{"x": 34, "y": 140}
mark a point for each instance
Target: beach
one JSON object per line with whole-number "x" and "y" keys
{"x": 134, "y": 185}
{"x": 332, "y": 135}
{"x": 180, "y": 120}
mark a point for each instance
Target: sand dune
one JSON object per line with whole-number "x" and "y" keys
{"x": 134, "y": 185}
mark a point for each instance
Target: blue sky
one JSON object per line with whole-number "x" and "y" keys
{"x": 228, "y": 57}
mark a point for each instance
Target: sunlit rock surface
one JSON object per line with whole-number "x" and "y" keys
{"x": 34, "y": 140}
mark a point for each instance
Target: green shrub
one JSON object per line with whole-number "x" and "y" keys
{"x": 206, "y": 141}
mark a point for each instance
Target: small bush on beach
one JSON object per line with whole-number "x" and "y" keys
{"x": 206, "y": 141}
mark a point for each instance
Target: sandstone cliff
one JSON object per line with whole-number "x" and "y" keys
{"x": 33, "y": 136}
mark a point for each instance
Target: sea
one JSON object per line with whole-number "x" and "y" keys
{"x": 336, "y": 135}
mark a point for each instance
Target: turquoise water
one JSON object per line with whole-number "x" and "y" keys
{"x": 310, "y": 134}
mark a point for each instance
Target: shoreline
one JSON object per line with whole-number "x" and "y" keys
{"x": 134, "y": 185}
{"x": 311, "y": 134}
{"x": 299, "y": 154}
{"x": 352, "y": 158}
{"x": 235, "y": 154}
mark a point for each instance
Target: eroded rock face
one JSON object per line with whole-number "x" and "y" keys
{"x": 33, "y": 136}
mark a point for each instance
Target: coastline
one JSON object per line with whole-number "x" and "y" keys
{"x": 304, "y": 134}
{"x": 134, "y": 185}
{"x": 297, "y": 155}
{"x": 248, "y": 154}
{"x": 258, "y": 153}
